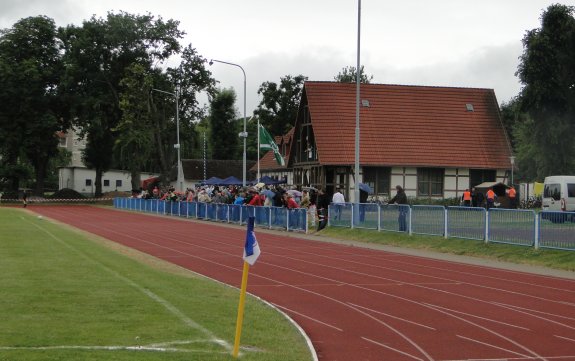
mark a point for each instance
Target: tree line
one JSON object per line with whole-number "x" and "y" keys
{"x": 109, "y": 77}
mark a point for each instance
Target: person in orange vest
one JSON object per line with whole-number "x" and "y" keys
{"x": 466, "y": 198}
{"x": 490, "y": 198}
{"x": 512, "y": 195}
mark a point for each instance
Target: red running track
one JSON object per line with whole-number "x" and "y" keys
{"x": 362, "y": 304}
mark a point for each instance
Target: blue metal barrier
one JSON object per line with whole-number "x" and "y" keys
{"x": 247, "y": 211}
{"x": 557, "y": 230}
{"x": 211, "y": 213}
{"x": 278, "y": 217}
{"x": 340, "y": 214}
{"x": 297, "y": 219}
{"x": 368, "y": 216}
{"x": 512, "y": 226}
{"x": 235, "y": 211}
{"x": 466, "y": 222}
{"x": 262, "y": 216}
{"x": 428, "y": 220}
{"x": 395, "y": 217}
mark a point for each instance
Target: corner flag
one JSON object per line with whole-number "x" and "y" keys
{"x": 251, "y": 248}
{"x": 268, "y": 143}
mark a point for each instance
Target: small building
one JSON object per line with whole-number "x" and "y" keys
{"x": 81, "y": 179}
{"x": 433, "y": 141}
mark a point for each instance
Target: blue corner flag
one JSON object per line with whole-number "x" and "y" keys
{"x": 251, "y": 249}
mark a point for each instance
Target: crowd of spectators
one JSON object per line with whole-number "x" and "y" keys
{"x": 260, "y": 195}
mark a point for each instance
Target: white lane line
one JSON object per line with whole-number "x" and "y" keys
{"x": 481, "y": 318}
{"x": 532, "y": 315}
{"x": 305, "y": 316}
{"x": 391, "y": 348}
{"x": 110, "y": 348}
{"x": 537, "y": 356}
{"x": 391, "y": 316}
{"x": 565, "y": 338}
{"x": 568, "y": 358}
{"x": 493, "y": 346}
{"x": 536, "y": 311}
{"x": 167, "y": 305}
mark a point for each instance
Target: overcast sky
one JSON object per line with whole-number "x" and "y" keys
{"x": 468, "y": 43}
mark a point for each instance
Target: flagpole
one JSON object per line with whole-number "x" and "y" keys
{"x": 240, "y": 318}
{"x": 259, "y": 175}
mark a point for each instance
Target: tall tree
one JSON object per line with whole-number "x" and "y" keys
{"x": 30, "y": 69}
{"x": 547, "y": 72}
{"x": 349, "y": 73}
{"x": 97, "y": 56}
{"x": 278, "y": 108}
{"x": 223, "y": 125}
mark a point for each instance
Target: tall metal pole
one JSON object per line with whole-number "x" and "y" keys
{"x": 243, "y": 134}
{"x": 179, "y": 180}
{"x": 357, "y": 100}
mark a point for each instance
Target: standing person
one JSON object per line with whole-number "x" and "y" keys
{"x": 477, "y": 198}
{"x": 338, "y": 200}
{"x": 25, "y": 199}
{"x": 322, "y": 205}
{"x": 512, "y": 195}
{"x": 304, "y": 203}
{"x": 466, "y": 198}
{"x": 490, "y": 198}
{"x": 401, "y": 200}
{"x": 362, "y": 199}
{"x": 312, "y": 207}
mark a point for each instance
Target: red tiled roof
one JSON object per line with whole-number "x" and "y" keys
{"x": 408, "y": 125}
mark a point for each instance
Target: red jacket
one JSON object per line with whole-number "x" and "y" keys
{"x": 256, "y": 201}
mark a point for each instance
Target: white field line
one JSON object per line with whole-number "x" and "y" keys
{"x": 536, "y": 311}
{"x": 532, "y": 315}
{"x": 568, "y": 358}
{"x": 481, "y": 318}
{"x": 565, "y": 338}
{"x": 394, "y": 317}
{"x": 167, "y": 305}
{"x": 493, "y": 346}
{"x": 391, "y": 348}
{"x": 308, "y": 317}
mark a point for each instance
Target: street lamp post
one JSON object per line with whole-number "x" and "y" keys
{"x": 179, "y": 180}
{"x": 243, "y": 134}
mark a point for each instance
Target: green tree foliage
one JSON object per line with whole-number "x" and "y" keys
{"x": 223, "y": 125}
{"x": 278, "y": 108}
{"x": 30, "y": 69}
{"x": 547, "y": 71}
{"x": 348, "y": 75}
{"x": 135, "y": 141}
{"x": 97, "y": 55}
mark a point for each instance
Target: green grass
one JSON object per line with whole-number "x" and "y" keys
{"x": 60, "y": 287}
{"x": 564, "y": 260}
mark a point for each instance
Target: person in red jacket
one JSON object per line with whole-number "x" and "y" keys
{"x": 256, "y": 200}
{"x": 289, "y": 201}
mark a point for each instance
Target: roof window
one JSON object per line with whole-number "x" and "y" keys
{"x": 365, "y": 103}
{"x": 469, "y": 107}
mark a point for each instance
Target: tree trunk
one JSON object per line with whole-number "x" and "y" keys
{"x": 40, "y": 169}
{"x": 136, "y": 179}
{"x": 98, "y": 182}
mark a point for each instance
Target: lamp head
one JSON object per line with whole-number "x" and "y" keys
{"x": 211, "y": 62}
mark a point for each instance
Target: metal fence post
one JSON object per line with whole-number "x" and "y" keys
{"x": 486, "y": 226}
{"x": 352, "y": 215}
{"x": 445, "y": 220}
{"x": 537, "y": 230}
{"x": 410, "y": 232}
{"x": 378, "y": 218}
{"x": 270, "y": 217}
{"x": 287, "y": 220}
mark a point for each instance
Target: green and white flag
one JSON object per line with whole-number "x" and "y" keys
{"x": 267, "y": 143}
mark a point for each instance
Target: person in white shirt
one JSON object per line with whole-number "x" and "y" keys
{"x": 338, "y": 200}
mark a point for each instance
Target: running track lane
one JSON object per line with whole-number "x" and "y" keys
{"x": 362, "y": 304}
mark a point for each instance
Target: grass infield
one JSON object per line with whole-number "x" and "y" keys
{"x": 66, "y": 295}
{"x": 558, "y": 259}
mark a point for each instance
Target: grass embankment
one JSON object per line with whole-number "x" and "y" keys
{"x": 558, "y": 259}
{"x": 70, "y": 296}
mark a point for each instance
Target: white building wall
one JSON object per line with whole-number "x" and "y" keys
{"x": 82, "y": 180}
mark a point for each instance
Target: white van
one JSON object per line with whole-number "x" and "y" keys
{"x": 559, "y": 193}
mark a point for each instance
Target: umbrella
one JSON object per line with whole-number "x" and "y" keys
{"x": 364, "y": 187}
{"x": 294, "y": 193}
{"x": 268, "y": 193}
{"x": 260, "y": 185}
{"x": 314, "y": 189}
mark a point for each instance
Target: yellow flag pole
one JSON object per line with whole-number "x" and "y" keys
{"x": 241, "y": 310}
